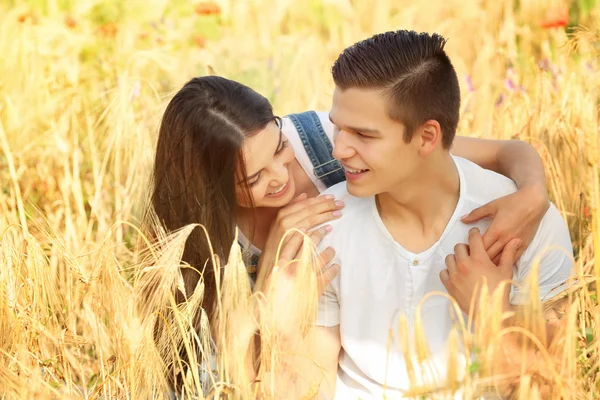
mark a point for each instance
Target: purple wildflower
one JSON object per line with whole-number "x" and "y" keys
{"x": 135, "y": 91}
{"x": 470, "y": 86}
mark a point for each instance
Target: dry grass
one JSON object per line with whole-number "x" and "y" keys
{"x": 82, "y": 88}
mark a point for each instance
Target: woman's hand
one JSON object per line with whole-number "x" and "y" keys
{"x": 295, "y": 283}
{"x": 301, "y": 214}
{"x": 517, "y": 215}
{"x": 291, "y": 258}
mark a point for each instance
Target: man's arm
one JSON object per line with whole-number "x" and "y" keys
{"x": 514, "y": 159}
{"x": 542, "y": 272}
{"x": 519, "y": 214}
{"x": 548, "y": 262}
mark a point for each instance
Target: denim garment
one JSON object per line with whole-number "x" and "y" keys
{"x": 318, "y": 147}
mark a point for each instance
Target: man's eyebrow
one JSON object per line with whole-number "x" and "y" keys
{"x": 355, "y": 129}
{"x": 248, "y": 178}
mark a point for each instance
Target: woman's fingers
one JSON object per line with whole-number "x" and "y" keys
{"x": 290, "y": 248}
{"x": 327, "y": 275}
{"x": 301, "y": 202}
{"x": 292, "y": 242}
{"x": 317, "y": 235}
{"x": 290, "y": 258}
{"x": 325, "y": 257}
{"x": 299, "y": 198}
{"x": 311, "y": 220}
{"x": 310, "y": 213}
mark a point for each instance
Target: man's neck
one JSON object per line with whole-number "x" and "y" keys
{"x": 422, "y": 207}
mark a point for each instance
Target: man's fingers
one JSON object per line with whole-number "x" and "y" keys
{"x": 520, "y": 250}
{"x": 487, "y": 210}
{"x": 451, "y": 264}
{"x": 495, "y": 250}
{"x": 461, "y": 251}
{"x": 496, "y": 260}
{"x": 445, "y": 278}
{"x": 476, "y": 242}
{"x": 490, "y": 237}
{"x": 509, "y": 254}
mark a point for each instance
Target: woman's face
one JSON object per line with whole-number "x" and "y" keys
{"x": 268, "y": 157}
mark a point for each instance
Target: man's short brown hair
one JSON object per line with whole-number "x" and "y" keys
{"x": 415, "y": 73}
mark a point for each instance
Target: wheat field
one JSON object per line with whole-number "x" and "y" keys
{"x": 83, "y": 84}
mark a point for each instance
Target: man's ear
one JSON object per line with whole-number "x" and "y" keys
{"x": 430, "y": 136}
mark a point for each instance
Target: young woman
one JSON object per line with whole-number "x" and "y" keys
{"x": 224, "y": 160}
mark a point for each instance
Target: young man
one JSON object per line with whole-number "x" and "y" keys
{"x": 396, "y": 109}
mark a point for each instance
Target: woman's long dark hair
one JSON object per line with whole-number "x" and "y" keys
{"x": 199, "y": 158}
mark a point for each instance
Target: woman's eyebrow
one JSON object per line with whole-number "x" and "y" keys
{"x": 279, "y": 142}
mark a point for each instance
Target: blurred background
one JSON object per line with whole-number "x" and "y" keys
{"x": 83, "y": 84}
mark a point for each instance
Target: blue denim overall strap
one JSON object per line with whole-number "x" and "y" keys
{"x": 318, "y": 147}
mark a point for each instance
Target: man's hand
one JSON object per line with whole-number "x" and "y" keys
{"x": 517, "y": 215}
{"x": 471, "y": 265}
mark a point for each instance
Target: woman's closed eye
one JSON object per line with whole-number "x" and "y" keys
{"x": 282, "y": 146}
{"x": 255, "y": 181}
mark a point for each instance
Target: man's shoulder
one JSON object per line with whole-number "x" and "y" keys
{"x": 483, "y": 185}
{"x": 355, "y": 209}
{"x": 552, "y": 236}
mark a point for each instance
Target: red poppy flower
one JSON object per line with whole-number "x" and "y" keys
{"x": 586, "y": 212}
{"x": 556, "y": 18}
{"x": 70, "y": 22}
{"x": 27, "y": 17}
{"x": 200, "y": 41}
{"x": 207, "y": 8}
{"x": 108, "y": 30}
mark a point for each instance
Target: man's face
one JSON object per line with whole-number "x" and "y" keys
{"x": 369, "y": 144}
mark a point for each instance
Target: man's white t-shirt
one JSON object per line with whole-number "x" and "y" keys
{"x": 380, "y": 280}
